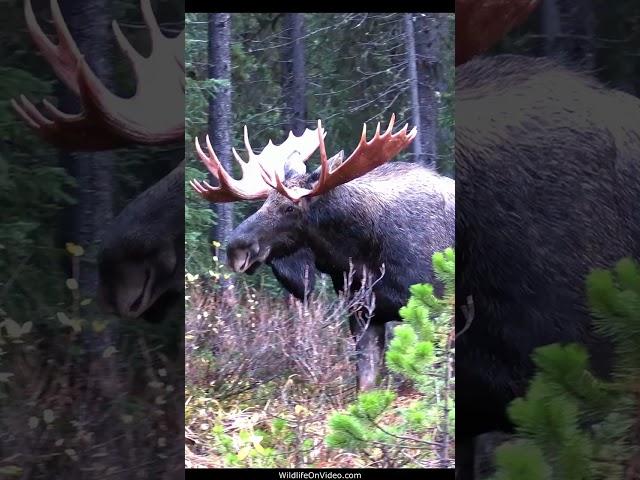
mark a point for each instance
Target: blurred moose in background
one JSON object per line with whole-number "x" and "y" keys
{"x": 382, "y": 221}
{"x": 141, "y": 262}
{"x": 548, "y": 187}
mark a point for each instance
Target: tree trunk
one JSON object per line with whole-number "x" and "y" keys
{"x": 294, "y": 80}
{"x": 568, "y": 29}
{"x": 430, "y": 32}
{"x": 220, "y": 116}
{"x": 89, "y": 22}
{"x": 413, "y": 85}
{"x": 550, "y": 26}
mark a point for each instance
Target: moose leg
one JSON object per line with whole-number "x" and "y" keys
{"x": 369, "y": 348}
{"x": 464, "y": 458}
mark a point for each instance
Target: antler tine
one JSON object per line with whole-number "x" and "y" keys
{"x": 151, "y": 22}
{"x": 391, "y": 124}
{"x": 324, "y": 173}
{"x": 62, "y": 57}
{"x": 131, "y": 53}
{"x": 249, "y": 187}
{"x": 29, "y": 113}
{"x": 247, "y": 145}
{"x": 211, "y": 162}
{"x": 226, "y": 182}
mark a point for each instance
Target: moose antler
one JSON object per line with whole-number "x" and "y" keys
{"x": 107, "y": 120}
{"x": 367, "y": 156}
{"x": 482, "y": 23}
{"x": 272, "y": 159}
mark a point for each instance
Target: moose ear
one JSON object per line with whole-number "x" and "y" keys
{"x": 294, "y": 166}
{"x": 334, "y": 162}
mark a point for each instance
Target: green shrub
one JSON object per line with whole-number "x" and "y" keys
{"x": 571, "y": 424}
{"x": 382, "y": 427}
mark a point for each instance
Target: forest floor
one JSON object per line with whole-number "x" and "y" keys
{"x": 283, "y": 426}
{"x": 264, "y": 375}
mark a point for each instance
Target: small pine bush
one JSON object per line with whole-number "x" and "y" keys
{"x": 571, "y": 424}
{"x": 419, "y": 432}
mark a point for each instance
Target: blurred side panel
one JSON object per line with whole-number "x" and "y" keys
{"x": 92, "y": 240}
{"x": 547, "y": 190}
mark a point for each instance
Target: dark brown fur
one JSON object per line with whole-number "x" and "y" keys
{"x": 398, "y": 215}
{"x": 548, "y": 187}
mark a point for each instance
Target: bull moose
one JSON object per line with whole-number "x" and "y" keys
{"x": 362, "y": 212}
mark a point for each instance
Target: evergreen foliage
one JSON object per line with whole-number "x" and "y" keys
{"x": 420, "y": 352}
{"x": 570, "y": 423}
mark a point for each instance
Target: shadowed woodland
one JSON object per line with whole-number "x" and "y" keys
{"x": 268, "y": 375}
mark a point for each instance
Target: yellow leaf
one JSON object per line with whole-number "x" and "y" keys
{"x": 244, "y": 453}
{"x": 10, "y": 471}
{"x": 98, "y": 326}
{"x": 216, "y": 244}
{"x": 72, "y": 284}
{"x": 76, "y": 324}
{"x": 86, "y": 301}
{"x": 259, "y": 448}
{"x": 75, "y": 250}
{"x": 13, "y": 328}
{"x": 299, "y": 409}
{"x": 26, "y": 327}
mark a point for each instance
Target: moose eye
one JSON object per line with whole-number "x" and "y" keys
{"x": 289, "y": 209}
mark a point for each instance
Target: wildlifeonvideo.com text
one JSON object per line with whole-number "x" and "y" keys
{"x": 321, "y": 475}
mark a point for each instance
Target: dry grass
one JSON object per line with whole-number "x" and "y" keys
{"x": 258, "y": 366}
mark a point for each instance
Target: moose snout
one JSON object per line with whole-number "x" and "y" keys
{"x": 242, "y": 253}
